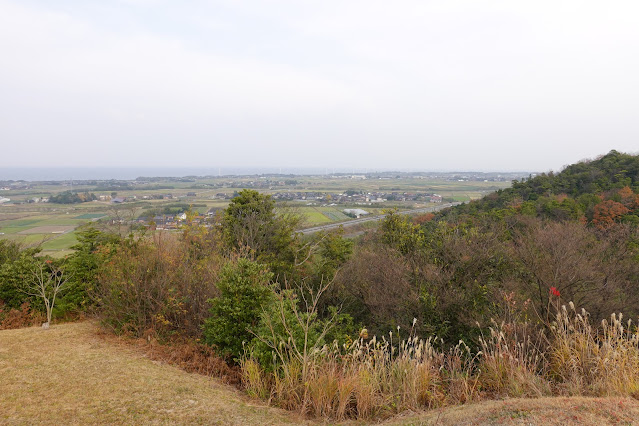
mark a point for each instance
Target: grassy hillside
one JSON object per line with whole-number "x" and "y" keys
{"x": 70, "y": 375}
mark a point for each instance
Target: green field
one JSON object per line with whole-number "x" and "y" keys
{"x": 315, "y": 217}
{"x": 61, "y": 243}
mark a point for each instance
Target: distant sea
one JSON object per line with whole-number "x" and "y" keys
{"x": 129, "y": 173}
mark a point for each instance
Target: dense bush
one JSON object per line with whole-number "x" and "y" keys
{"x": 159, "y": 284}
{"x": 19, "y": 266}
{"x": 245, "y": 291}
{"x": 16, "y": 272}
{"x": 93, "y": 250}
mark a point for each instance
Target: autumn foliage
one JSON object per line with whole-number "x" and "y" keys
{"x": 607, "y": 213}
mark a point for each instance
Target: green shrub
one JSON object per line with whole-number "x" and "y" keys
{"x": 245, "y": 291}
{"x": 291, "y": 328}
{"x": 15, "y": 274}
{"x": 82, "y": 267}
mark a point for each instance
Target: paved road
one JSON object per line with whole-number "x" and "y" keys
{"x": 371, "y": 218}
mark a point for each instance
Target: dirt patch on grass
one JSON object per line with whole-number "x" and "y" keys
{"x": 48, "y": 229}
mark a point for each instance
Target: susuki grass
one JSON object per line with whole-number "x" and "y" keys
{"x": 599, "y": 361}
{"x": 374, "y": 377}
{"x": 512, "y": 361}
{"x": 369, "y": 378}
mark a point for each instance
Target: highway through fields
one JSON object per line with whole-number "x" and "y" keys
{"x": 376, "y": 218}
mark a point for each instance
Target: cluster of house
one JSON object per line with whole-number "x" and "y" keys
{"x": 4, "y": 200}
{"x": 349, "y": 197}
{"x": 357, "y": 197}
{"x": 118, "y": 200}
{"x": 38, "y": 200}
{"x": 14, "y": 186}
{"x": 299, "y": 196}
{"x": 262, "y": 182}
{"x": 160, "y": 222}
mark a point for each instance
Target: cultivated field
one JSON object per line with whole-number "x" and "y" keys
{"x": 48, "y": 229}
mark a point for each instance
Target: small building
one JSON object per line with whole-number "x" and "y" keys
{"x": 357, "y": 213}
{"x": 117, "y": 200}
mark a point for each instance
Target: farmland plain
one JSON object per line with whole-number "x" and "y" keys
{"x": 26, "y": 218}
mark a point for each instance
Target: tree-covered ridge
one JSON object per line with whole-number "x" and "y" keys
{"x": 598, "y": 192}
{"x": 614, "y": 170}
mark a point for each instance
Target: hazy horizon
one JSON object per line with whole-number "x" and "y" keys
{"x": 456, "y": 85}
{"x": 131, "y": 173}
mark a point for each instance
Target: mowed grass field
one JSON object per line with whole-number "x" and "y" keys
{"x": 69, "y": 375}
{"x": 74, "y": 374}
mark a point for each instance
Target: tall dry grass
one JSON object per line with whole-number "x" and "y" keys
{"x": 512, "y": 361}
{"x": 597, "y": 361}
{"x": 370, "y": 378}
{"x": 373, "y": 378}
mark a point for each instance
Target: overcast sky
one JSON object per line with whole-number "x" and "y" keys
{"x": 422, "y": 85}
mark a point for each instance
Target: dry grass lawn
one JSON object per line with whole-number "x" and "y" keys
{"x": 71, "y": 375}
{"x": 543, "y": 411}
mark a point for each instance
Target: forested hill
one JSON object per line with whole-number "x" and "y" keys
{"x": 600, "y": 191}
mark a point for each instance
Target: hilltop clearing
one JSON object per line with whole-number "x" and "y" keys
{"x": 71, "y": 375}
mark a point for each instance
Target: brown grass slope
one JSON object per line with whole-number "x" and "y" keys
{"x": 542, "y": 411}
{"x": 71, "y": 375}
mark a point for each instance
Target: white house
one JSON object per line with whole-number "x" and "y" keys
{"x": 355, "y": 212}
